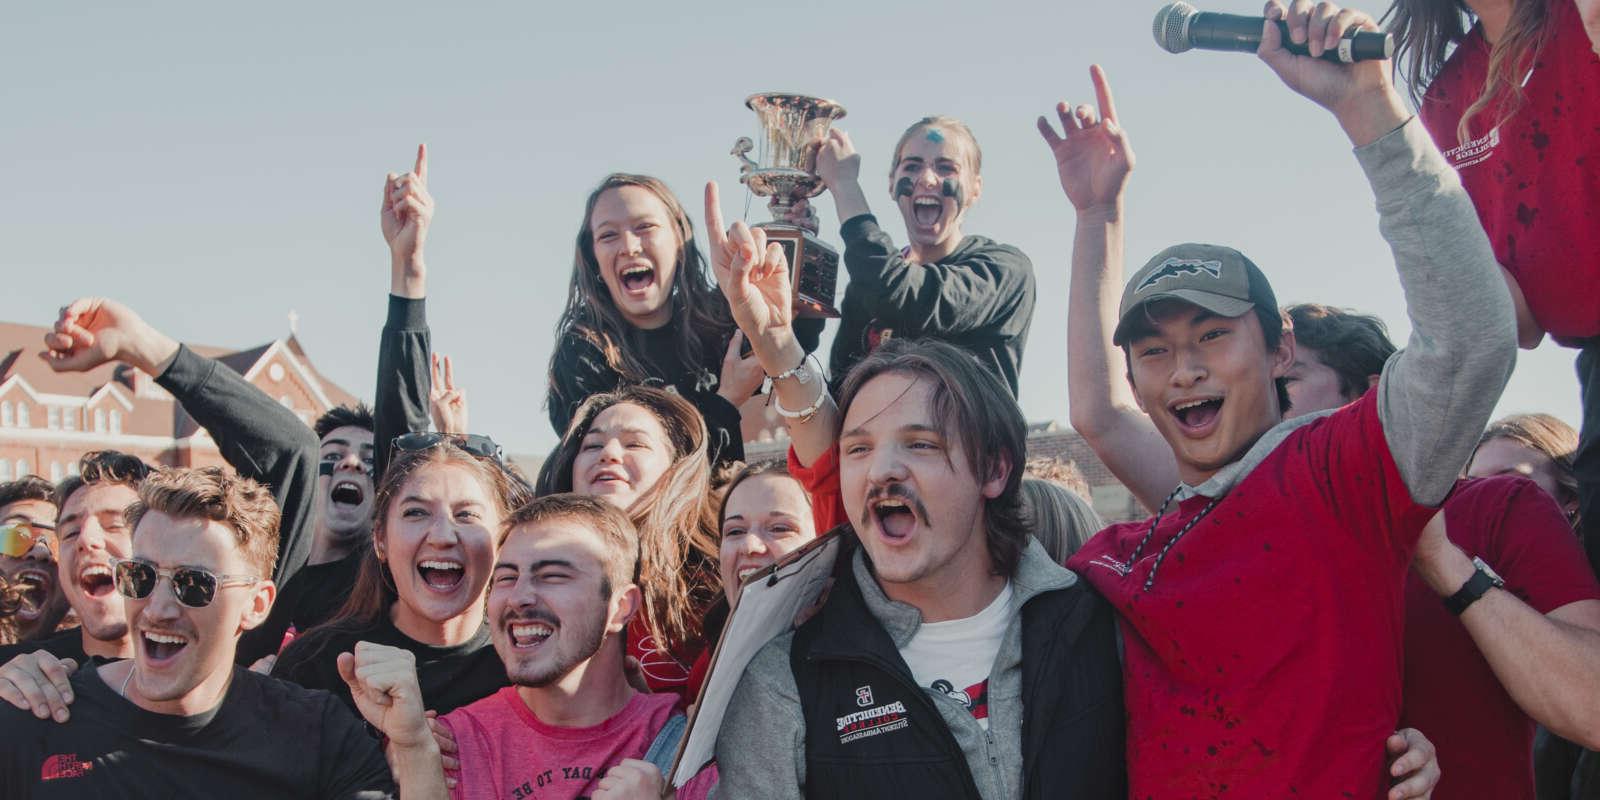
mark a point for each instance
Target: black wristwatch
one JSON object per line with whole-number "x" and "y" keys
{"x": 1477, "y": 586}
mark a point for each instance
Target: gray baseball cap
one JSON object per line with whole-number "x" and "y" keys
{"x": 1216, "y": 278}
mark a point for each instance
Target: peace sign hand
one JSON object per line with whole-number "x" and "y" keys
{"x": 1093, "y": 157}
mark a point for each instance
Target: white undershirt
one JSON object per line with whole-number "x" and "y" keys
{"x": 955, "y": 657}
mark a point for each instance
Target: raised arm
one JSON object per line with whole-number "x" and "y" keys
{"x": 383, "y": 683}
{"x": 256, "y": 435}
{"x": 1436, "y": 395}
{"x": 400, "y": 403}
{"x": 754, "y": 276}
{"x": 1093, "y": 160}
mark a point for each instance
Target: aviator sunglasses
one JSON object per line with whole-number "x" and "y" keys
{"x": 17, "y": 538}
{"x": 193, "y": 587}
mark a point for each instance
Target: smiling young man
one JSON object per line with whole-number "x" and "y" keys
{"x": 1262, "y": 607}
{"x": 178, "y": 718}
{"x": 971, "y": 291}
{"x": 570, "y": 726}
{"x": 28, "y": 523}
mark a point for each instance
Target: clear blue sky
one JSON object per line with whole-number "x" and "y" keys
{"x": 216, "y": 165}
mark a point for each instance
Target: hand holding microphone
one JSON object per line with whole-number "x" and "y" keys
{"x": 1180, "y": 27}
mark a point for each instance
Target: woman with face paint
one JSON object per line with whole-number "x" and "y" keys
{"x": 421, "y": 584}
{"x": 641, "y": 309}
{"x": 971, "y": 291}
{"x": 644, "y": 450}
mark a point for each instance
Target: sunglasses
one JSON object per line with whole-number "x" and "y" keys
{"x": 476, "y": 444}
{"x": 193, "y": 587}
{"x": 17, "y": 538}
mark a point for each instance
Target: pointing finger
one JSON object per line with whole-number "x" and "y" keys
{"x": 718, "y": 234}
{"x": 421, "y": 169}
{"x": 1102, "y": 93}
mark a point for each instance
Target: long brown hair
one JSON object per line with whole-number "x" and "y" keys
{"x": 1425, "y": 29}
{"x": 699, "y": 313}
{"x": 374, "y": 590}
{"x": 676, "y": 518}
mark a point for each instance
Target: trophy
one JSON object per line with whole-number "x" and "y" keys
{"x": 792, "y": 129}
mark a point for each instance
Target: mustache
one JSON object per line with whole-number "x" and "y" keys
{"x": 515, "y": 615}
{"x": 898, "y": 491}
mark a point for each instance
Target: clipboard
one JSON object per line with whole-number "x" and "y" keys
{"x": 768, "y": 602}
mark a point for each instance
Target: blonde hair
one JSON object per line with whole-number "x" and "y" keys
{"x": 211, "y": 493}
{"x": 1061, "y": 519}
{"x": 944, "y": 123}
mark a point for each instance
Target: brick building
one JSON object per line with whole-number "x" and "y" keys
{"x": 48, "y": 420}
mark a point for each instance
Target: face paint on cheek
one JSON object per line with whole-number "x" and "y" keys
{"x": 902, "y": 188}
{"x": 951, "y": 189}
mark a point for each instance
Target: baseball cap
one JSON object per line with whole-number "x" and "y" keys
{"x": 1216, "y": 278}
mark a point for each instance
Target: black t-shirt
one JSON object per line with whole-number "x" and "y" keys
{"x": 312, "y": 597}
{"x": 267, "y": 739}
{"x": 62, "y": 644}
{"x": 450, "y": 677}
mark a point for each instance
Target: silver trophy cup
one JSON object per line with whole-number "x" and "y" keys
{"x": 792, "y": 129}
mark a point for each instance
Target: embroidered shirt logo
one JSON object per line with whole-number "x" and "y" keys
{"x": 1474, "y": 152}
{"x": 1179, "y": 267}
{"x": 1112, "y": 564}
{"x": 65, "y": 765}
{"x": 872, "y": 721}
{"x": 864, "y": 696}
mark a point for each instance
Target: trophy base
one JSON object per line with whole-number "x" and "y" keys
{"x": 814, "y": 268}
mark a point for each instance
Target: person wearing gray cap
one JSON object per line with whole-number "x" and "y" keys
{"x": 1262, "y": 606}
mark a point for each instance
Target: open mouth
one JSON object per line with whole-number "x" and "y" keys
{"x": 608, "y": 480}
{"x": 162, "y": 647}
{"x": 33, "y": 590}
{"x": 746, "y": 571}
{"x": 527, "y": 635}
{"x": 95, "y": 580}
{"x": 441, "y": 575}
{"x": 638, "y": 278}
{"x": 1195, "y": 415}
{"x": 347, "y": 493}
{"x": 895, "y": 519}
{"x": 927, "y": 210}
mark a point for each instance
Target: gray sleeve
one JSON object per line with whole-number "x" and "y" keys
{"x": 761, "y": 748}
{"x": 1436, "y": 395}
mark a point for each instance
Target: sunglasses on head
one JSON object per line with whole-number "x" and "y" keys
{"x": 194, "y": 587}
{"x": 17, "y": 538}
{"x": 476, "y": 444}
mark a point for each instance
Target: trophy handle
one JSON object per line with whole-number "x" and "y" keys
{"x": 741, "y": 150}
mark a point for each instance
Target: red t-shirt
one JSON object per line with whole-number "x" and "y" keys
{"x": 665, "y": 670}
{"x": 506, "y": 751}
{"x": 1484, "y": 741}
{"x": 1535, "y": 179}
{"x": 1266, "y": 658}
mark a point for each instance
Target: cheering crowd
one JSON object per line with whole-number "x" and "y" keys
{"x": 1353, "y": 582}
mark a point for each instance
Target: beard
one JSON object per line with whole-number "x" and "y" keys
{"x": 570, "y": 646}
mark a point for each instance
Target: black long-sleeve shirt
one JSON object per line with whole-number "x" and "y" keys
{"x": 580, "y": 370}
{"x": 979, "y": 298}
{"x": 400, "y": 402}
{"x": 260, "y": 439}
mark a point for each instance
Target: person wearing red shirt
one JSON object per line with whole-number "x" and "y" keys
{"x": 1262, "y": 607}
{"x": 1516, "y": 109}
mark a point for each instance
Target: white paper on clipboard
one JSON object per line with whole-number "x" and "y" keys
{"x": 767, "y": 607}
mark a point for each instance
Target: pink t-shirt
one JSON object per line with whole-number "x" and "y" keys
{"x": 505, "y": 751}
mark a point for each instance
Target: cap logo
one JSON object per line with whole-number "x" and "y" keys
{"x": 1178, "y": 268}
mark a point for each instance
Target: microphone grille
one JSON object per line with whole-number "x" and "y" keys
{"x": 1171, "y": 27}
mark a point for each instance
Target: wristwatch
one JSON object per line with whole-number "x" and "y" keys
{"x": 1477, "y": 586}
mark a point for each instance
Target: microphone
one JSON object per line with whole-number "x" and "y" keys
{"x": 1180, "y": 27}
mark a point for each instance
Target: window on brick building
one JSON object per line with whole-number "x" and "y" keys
{"x": 69, "y": 419}
{"x": 56, "y": 472}
{"x": 22, "y": 416}
{"x": 116, "y": 421}
{"x": 52, "y": 417}
{"x": 22, "y": 467}
{"x": 6, "y": 418}
{"x": 5, "y": 470}
{"x": 99, "y": 420}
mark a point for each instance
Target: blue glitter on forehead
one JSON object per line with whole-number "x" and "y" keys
{"x": 935, "y": 136}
